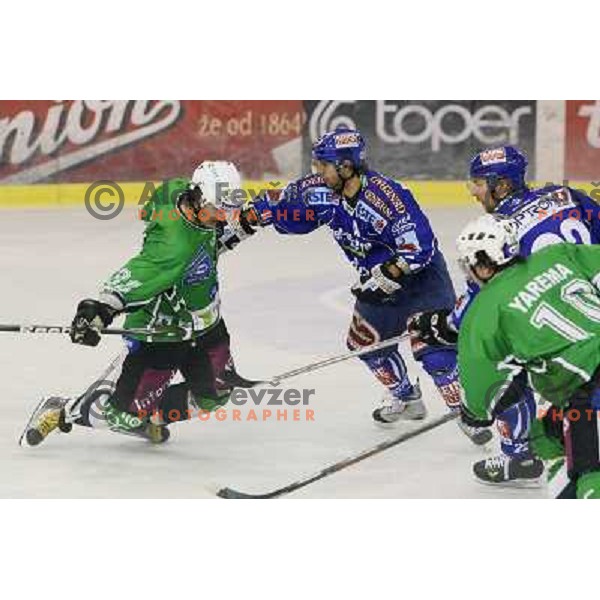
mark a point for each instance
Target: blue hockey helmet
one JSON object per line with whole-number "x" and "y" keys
{"x": 503, "y": 162}
{"x": 340, "y": 145}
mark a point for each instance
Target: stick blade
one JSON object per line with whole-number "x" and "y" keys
{"x": 231, "y": 494}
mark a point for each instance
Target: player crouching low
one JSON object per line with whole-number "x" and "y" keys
{"x": 169, "y": 290}
{"x": 539, "y": 319}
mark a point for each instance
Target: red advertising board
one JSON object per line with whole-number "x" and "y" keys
{"x": 136, "y": 140}
{"x": 582, "y": 140}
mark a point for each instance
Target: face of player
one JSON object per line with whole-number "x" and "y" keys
{"x": 329, "y": 173}
{"x": 483, "y": 273}
{"x": 199, "y": 212}
{"x": 479, "y": 189}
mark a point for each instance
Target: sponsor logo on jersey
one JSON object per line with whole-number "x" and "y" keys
{"x": 351, "y": 244}
{"x": 544, "y": 207}
{"x": 389, "y": 192}
{"x": 402, "y": 224}
{"x": 408, "y": 241}
{"x": 493, "y": 156}
{"x": 320, "y": 196}
{"x": 199, "y": 269}
{"x": 378, "y": 203}
{"x": 365, "y": 213}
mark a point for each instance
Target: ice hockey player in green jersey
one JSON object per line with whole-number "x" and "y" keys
{"x": 536, "y": 319}
{"x": 169, "y": 293}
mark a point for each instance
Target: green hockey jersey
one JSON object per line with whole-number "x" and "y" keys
{"x": 541, "y": 315}
{"x": 172, "y": 282}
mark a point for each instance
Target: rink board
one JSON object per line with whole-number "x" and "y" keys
{"x": 428, "y": 193}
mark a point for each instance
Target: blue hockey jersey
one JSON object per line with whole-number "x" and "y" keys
{"x": 545, "y": 216}
{"x": 382, "y": 222}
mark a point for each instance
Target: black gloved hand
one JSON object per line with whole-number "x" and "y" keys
{"x": 91, "y": 317}
{"x": 239, "y": 225}
{"x": 432, "y": 329}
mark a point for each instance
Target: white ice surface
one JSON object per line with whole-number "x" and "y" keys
{"x": 286, "y": 303}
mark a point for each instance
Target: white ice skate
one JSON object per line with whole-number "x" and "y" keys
{"x": 408, "y": 408}
{"x": 480, "y": 436}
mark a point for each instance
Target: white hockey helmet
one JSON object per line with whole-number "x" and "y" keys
{"x": 218, "y": 180}
{"x": 490, "y": 239}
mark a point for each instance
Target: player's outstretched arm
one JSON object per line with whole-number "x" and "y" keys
{"x": 301, "y": 207}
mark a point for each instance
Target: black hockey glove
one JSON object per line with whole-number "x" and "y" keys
{"x": 91, "y": 317}
{"x": 431, "y": 329}
{"x": 380, "y": 284}
{"x": 238, "y": 226}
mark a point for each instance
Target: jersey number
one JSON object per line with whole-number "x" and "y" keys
{"x": 571, "y": 230}
{"x": 579, "y": 294}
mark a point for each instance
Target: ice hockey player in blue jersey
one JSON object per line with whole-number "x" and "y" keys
{"x": 388, "y": 239}
{"x": 544, "y": 216}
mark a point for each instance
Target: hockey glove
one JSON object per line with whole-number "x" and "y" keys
{"x": 238, "y": 226}
{"x": 380, "y": 284}
{"x": 431, "y": 329}
{"x": 91, "y": 317}
{"x": 261, "y": 209}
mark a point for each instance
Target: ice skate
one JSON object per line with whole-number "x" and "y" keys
{"x": 47, "y": 416}
{"x": 230, "y": 379}
{"x": 503, "y": 470}
{"x": 129, "y": 424}
{"x": 478, "y": 435}
{"x": 408, "y": 408}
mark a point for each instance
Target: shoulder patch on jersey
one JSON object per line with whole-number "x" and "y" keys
{"x": 310, "y": 181}
{"x": 383, "y": 185}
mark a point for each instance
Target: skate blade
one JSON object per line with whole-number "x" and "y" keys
{"x": 532, "y": 484}
{"x": 34, "y": 414}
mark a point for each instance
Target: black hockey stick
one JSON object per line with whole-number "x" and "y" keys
{"x": 230, "y": 494}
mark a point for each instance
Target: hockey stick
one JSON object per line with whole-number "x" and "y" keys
{"x": 4, "y": 328}
{"x": 230, "y": 493}
{"x": 334, "y": 360}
